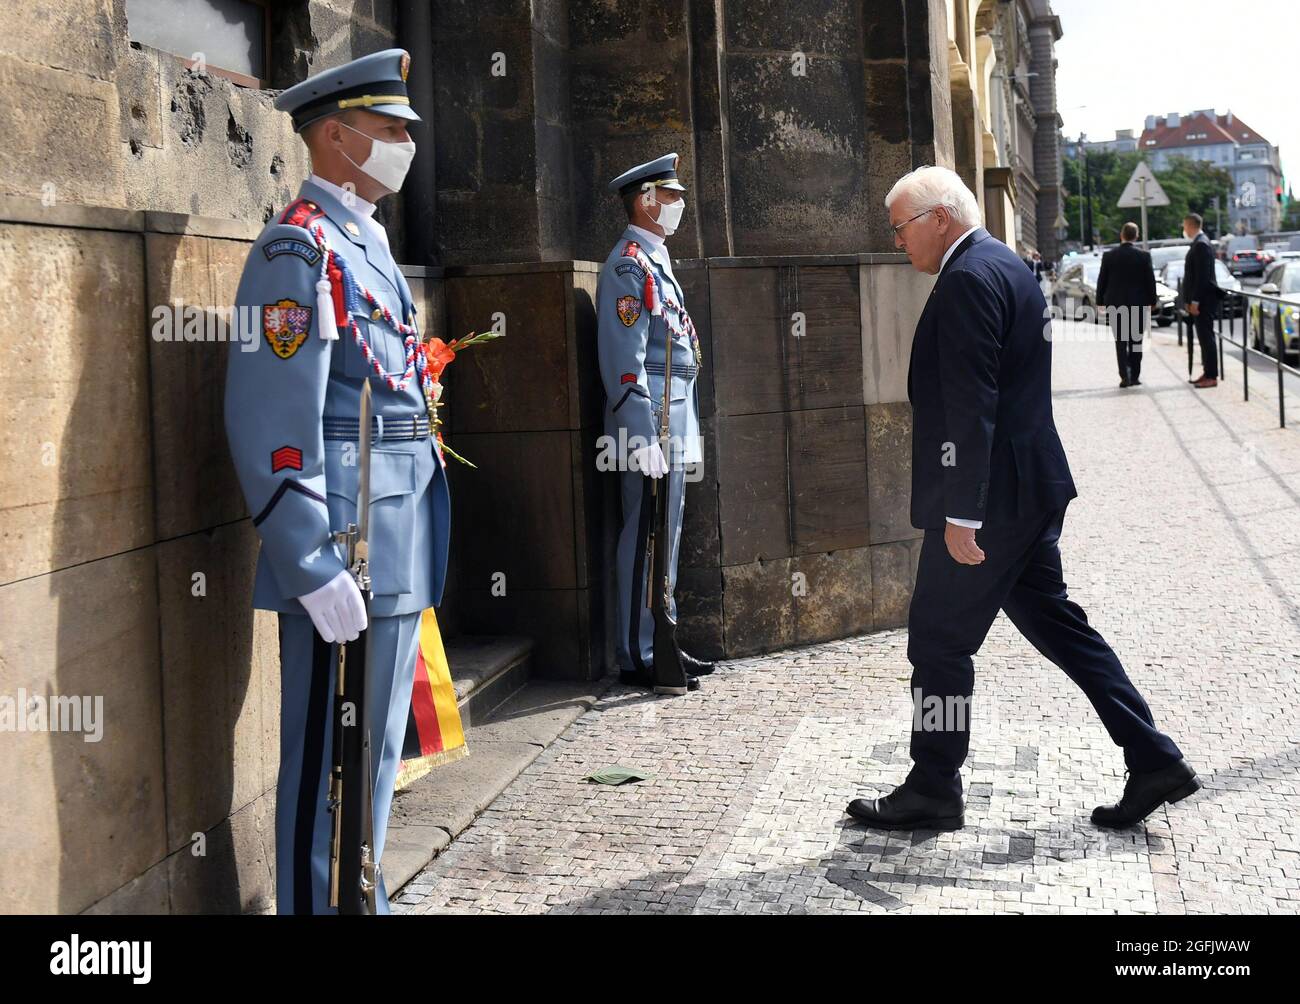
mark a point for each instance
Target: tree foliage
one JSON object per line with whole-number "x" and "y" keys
{"x": 1190, "y": 184}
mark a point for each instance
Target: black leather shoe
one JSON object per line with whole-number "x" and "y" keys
{"x": 1146, "y": 791}
{"x": 903, "y": 809}
{"x": 692, "y": 665}
{"x": 647, "y": 681}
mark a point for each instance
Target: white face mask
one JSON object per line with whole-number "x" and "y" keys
{"x": 387, "y": 163}
{"x": 670, "y": 214}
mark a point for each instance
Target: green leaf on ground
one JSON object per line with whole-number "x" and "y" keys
{"x": 615, "y": 774}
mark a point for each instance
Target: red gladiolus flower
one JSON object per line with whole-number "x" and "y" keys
{"x": 438, "y": 355}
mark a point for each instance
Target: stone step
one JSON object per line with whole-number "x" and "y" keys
{"x": 487, "y": 671}
{"x": 439, "y": 806}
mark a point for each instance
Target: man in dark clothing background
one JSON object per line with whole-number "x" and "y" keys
{"x": 1202, "y": 294}
{"x": 1127, "y": 287}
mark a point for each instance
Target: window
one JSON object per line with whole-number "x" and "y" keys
{"x": 230, "y": 36}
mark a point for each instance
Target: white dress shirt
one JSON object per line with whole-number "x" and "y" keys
{"x": 652, "y": 241}
{"x": 364, "y": 209}
{"x": 972, "y": 523}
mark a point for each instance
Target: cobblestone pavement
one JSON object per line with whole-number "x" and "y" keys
{"x": 1184, "y": 548}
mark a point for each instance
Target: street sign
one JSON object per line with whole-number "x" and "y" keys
{"x": 1143, "y": 190}
{"x": 1142, "y": 185}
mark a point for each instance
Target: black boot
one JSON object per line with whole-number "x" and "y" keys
{"x": 692, "y": 665}
{"x": 1146, "y": 791}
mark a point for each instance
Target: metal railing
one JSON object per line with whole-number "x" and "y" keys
{"x": 1248, "y": 299}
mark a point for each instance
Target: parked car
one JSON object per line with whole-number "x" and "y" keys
{"x": 1075, "y": 288}
{"x": 1076, "y": 291}
{"x": 1283, "y": 281}
{"x": 1248, "y": 261}
{"x": 1172, "y": 276}
{"x": 1162, "y": 256}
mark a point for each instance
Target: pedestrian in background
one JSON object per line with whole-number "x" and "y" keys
{"x": 1202, "y": 294}
{"x": 1126, "y": 287}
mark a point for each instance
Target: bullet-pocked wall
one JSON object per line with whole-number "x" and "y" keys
{"x": 131, "y": 182}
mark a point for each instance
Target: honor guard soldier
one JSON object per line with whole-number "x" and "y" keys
{"x": 324, "y": 309}
{"x": 642, "y": 316}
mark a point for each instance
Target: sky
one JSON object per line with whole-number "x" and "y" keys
{"x": 1126, "y": 59}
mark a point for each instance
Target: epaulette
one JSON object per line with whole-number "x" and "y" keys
{"x": 301, "y": 213}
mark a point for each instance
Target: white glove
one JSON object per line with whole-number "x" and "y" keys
{"x": 336, "y": 608}
{"x": 650, "y": 460}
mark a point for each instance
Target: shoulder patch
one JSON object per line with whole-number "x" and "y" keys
{"x": 285, "y": 324}
{"x": 292, "y": 245}
{"x": 629, "y": 309}
{"x": 632, "y": 250}
{"x": 622, "y": 268}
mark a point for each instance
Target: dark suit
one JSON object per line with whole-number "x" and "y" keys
{"x": 985, "y": 448}
{"x": 1202, "y": 288}
{"x": 1127, "y": 285}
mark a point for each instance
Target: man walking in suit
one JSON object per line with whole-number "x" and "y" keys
{"x": 990, "y": 484}
{"x": 1127, "y": 285}
{"x": 1201, "y": 293}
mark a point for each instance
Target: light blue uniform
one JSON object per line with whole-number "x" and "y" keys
{"x": 292, "y": 406}
{"x": 633, "y": 346}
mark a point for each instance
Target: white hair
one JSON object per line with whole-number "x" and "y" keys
{"x": 929, "y": 187}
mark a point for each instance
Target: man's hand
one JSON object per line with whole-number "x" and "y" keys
{"x": 961, "y": 544}
{"x": 1194, "y": 308}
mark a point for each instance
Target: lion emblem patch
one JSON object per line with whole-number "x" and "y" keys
{"x": 629, "y": 309}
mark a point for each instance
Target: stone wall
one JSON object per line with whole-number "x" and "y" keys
{"x": 790, "y": 129}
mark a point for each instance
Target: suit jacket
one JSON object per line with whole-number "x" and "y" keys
{"x": 1199, "y": 283}
{"x": 285, "y": 381}
{"x": 984, "y": 445}
{"x": 1126, "y": 278}
{"x": 632, "y": 344}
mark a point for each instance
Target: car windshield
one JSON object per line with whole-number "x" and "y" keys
{"x": 1221, "y": 273}
{"x": 1091, "y": 269}
{"x": 1174, "y": 272}
{"x": 1291, "y": 280}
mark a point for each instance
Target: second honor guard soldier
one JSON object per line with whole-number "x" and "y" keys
{"x": 641, "y": 311}
{"x": 325, "y": 309}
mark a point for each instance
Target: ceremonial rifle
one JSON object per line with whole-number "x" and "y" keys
{"x": 669, "y": 676}
{"x": 354, "y": 873}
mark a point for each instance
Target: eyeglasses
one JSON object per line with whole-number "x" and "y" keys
{"x": 899, "y": 228}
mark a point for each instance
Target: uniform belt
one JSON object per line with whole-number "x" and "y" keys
{"x": 679, "y": 369}
{"x": 381, "y": 429}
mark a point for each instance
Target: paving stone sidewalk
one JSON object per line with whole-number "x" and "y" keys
{"x": 1184, "y": 548}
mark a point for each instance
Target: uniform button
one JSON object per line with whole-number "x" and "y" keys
{"x": 376, "y": 314}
